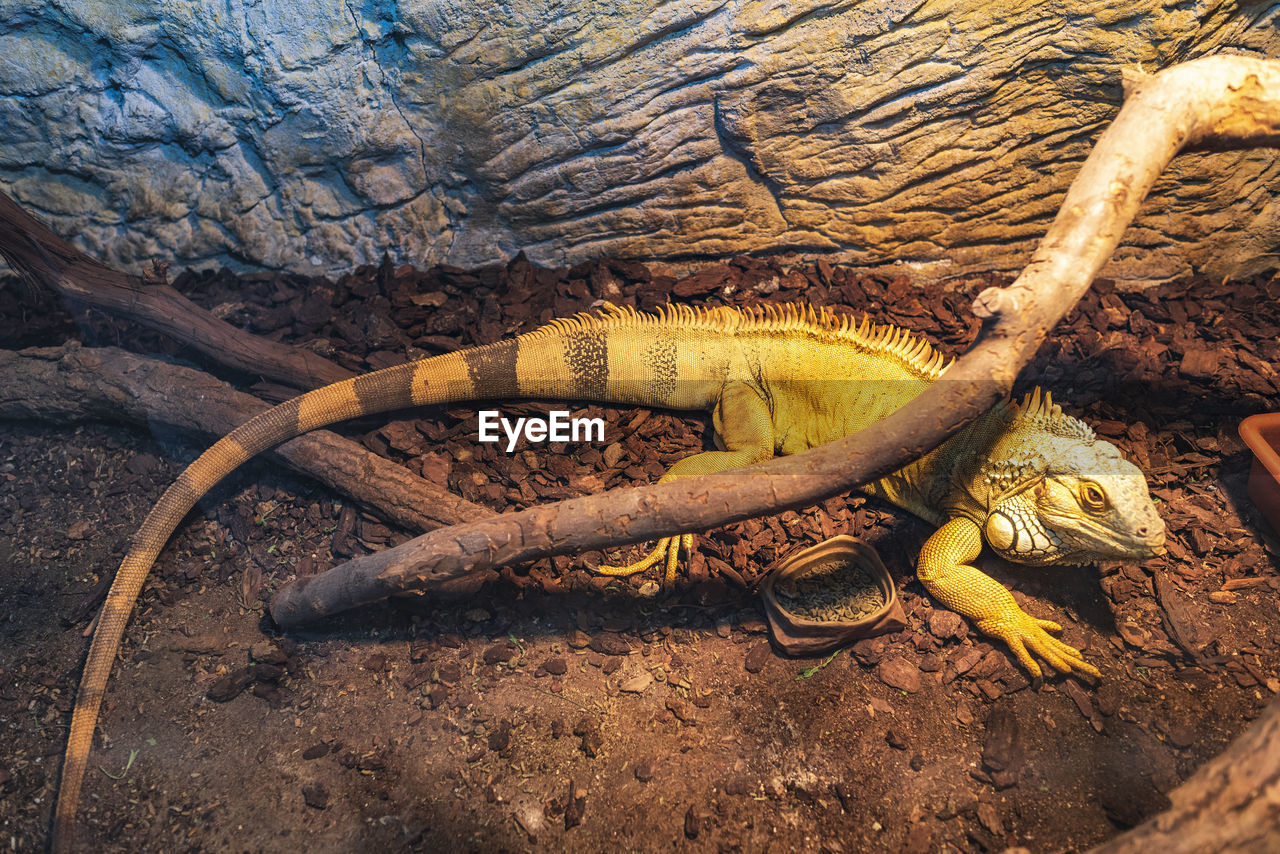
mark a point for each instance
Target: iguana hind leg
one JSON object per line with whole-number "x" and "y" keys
{"x": 946, "y": 572}
{"x": 744, "y": 425}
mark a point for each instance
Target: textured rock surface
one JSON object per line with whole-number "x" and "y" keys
{"x": 319, "y": 133}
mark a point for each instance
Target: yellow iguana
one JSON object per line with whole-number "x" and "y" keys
{"x": 1035, "y": 483}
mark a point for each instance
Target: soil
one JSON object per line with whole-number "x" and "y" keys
{"x": 560, "y": 710}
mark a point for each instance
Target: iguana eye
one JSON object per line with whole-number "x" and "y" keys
{"x": 1092, "y": 497}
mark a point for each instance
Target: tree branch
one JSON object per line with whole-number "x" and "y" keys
{"x": 1232, "y": 803}
{"x": 73, "y": 383}
{"x": 45, "y": 259}
{"x": 1216, "y": 102}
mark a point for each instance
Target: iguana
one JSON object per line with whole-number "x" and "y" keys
{"x": 1035, "y": 483}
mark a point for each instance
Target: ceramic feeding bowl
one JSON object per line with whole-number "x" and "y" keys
{"x": 829, "y": 596}
{"x": 1262, "y": 434}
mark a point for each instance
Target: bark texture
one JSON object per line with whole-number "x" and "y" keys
{"x": 70, "y": 384}
{"x": 45, "y": 259}
{"x": 1231, "y": 804}
{"x": 305, "y": 134}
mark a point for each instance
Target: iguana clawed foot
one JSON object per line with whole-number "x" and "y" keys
{"x": 947, "y": 572}
{"x": 1025, "y": 634}
{"x": 668, "y": 549}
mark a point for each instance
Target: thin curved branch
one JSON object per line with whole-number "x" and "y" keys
{"x": 45, "y": 259}
{"x": 1211, "y": 103}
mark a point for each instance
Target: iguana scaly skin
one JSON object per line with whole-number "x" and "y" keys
{"x": 1036, "y": 484}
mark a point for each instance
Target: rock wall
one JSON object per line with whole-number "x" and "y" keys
{"x": 317, "y": 134}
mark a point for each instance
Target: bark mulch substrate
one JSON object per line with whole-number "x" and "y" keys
{"x": 561, "y": 710}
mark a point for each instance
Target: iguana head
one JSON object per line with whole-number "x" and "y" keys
{"x": 1058, "y": 494}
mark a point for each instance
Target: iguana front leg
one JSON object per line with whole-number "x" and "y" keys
{"x": 744, "y": 425}
{"x": 945, "y": 569}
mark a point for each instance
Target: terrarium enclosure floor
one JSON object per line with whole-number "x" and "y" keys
{"x": 559, "y": 710}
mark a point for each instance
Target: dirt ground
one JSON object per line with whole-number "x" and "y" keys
{"x": 559, "y": 710}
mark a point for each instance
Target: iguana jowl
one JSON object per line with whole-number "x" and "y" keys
{"x": 1035, "y": 483}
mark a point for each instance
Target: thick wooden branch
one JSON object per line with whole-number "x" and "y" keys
{"x": 1212, "y": 102}
{"x": 73, "y": 383}
{"x": 1232, "y": 803}
{"x": 46, "y": 260}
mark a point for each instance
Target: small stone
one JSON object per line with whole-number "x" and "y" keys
{"x": 645, "y": 770}
{"x": 315, "y": 795}
{"x": 315, "y": 751}
{"x": 477, "y": 615}
{"x": 989, "y": 818}
{"x": 611, "y": 455}
{"x": 555, "y": 666}
{"x": 575, "y": 805}
{"x": 449, "y": 673}
{"x": 869, "y": 651}
{"x": 637, "y": 683}
{"x": 579, "y": 639}
{"x": 681, "y": 710}
{"x": 499, "y": 653}
{"x": 1199, "y": 364}
{"x": 899, "y": 673}
{"x": 1002, "y": 750}
{"x": 266, "y": 652}
{"x": 965, "y": 660}
{"x": 945, "y": 625}
{"x": 376, "y": 662}
{"x": 230, "y": 686}
{"x": 500, "y": 738}
{"x": 895, "y": 739}
{"x": 692, "y": 822}
{"x": 531, "y": 817}
{"x": 592, "y": 743}
{"x": 757, "y": 658}
{"x": 610, "y": 643}
{"x": 79, "y": 530}
{"x": 931, "y": 663}
{"x": 1179, "y": 735}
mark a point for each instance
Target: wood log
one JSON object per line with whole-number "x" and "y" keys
{"x": 1232, "y": 803}
{"x": 46, "y": 260}
{"x": 72, "y": 383}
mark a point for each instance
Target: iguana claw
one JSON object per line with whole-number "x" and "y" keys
{"x": 946, "y": 571}
{"x": 1025, "y": 634}
{"x": 668, "y": 548}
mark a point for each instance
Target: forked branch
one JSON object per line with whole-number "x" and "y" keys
{"x": 1213, "y": 103}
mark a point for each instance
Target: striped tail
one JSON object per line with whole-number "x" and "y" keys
{"x": 619, "y": 356}
{"x": 450, "y": 377}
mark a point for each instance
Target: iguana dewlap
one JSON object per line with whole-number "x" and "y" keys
{"x": 1033, "y": 482}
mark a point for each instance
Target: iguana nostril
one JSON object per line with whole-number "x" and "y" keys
{"x": 1142, "y": 530}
